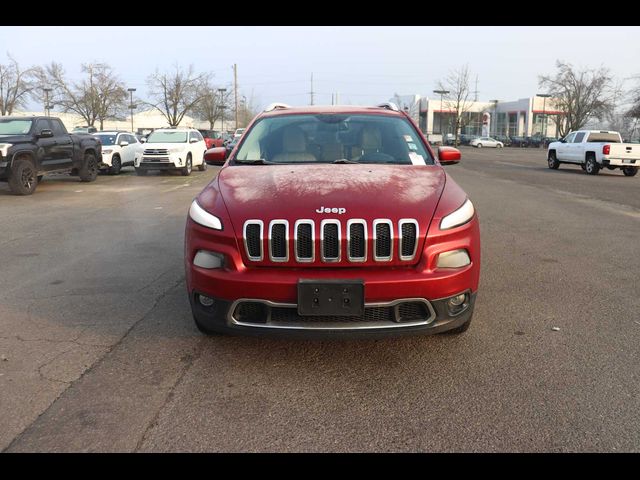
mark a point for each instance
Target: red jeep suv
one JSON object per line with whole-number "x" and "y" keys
{"x": 333, "y": 221}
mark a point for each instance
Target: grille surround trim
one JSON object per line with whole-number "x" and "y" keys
{"x": 356, "y": 221}
{"x": 286, "y": 240}
{"x": 334, "y": 326}
{"x": 244, "y": 239}
{"x": 402, "y": 222}
{"x": 305, "y": 221}
{"x": 377, "y": 222}
{"x": 330, "y": 221}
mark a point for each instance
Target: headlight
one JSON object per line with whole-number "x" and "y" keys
{"x": 204, "y": 218}
{"x": 459, "y": 217}
{"x": 4, "y": 148}
{"x": 107, "y": 151}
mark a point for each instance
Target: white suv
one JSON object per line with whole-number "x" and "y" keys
{"x": 119, "y": 150}
{"x": 172, "y": 149}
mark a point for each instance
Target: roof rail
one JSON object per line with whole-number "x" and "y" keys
{"x": 275, "y": 105}
{"x": 390, "y": 106}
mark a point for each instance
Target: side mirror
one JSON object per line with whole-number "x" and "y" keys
{"x": 448, "y": 155}
{"x": 124, "y": 143}
{"x": 562, "y": 140}
{"x": 142, "y": 140}
{"x": 45, "y": 133}
{"x": 215, "y": 156}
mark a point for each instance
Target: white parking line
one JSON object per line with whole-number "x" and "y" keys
{"x": 511, "y": 163}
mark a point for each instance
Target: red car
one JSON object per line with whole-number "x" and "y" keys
{"x": 212, "y": 138}
{"x": 332, "y": 221}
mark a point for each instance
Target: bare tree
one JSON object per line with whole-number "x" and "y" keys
{"x": 580, "y": 94}
{"x": 213, "y": 104}
{"x": 177, "y": 93}
{"x": 98, "y": 96}
{"x": 458, "y": 99}
{"x": 15, "y": 85}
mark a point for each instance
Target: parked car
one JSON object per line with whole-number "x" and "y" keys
{"x": 518, "y": 141}
{"x": 31, "y": 147}
{"x": 172, "y": 149}
{"x": 361, "y": 235}
{"x": 119, "y": 149}
{"x": 465, "y": 139}
{"x": 594, "y": 150}
{"x": 212, "y": 138}
{"x": 534, "y": 141}
{"x": 506, "y": 141}
{"x": 238, "y": 133}
{"x": 84, "y": 129}
{"x": 482, "y": 142}
{"x": 230, "y": 146}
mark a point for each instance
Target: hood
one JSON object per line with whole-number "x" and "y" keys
{"x": 15, "y": 138}
{"x": 292, "y": 192}
{"x": 164, "y": 146}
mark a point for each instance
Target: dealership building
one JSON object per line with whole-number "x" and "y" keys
{"x": 518, "y": 118}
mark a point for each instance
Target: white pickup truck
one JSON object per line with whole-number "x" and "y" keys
{"x": 595, "y": 149}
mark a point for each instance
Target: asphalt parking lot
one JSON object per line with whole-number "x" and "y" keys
{"x": 98, "y": 350}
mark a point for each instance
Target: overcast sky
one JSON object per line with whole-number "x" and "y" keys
{"x": 364, "y": 64}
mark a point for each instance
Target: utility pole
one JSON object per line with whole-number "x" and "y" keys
{"x": 476, "y": 90}
{"x": 46, "y": 102}
{"x": 235, "y": 89}
{"x": 311, "y": 92}
{"x": 132, "y": 106}
{"x": 222, "y": 91}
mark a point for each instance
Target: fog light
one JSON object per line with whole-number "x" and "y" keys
{"x": 205, "y": 301}
{"x": 454, "y": 259}
{"x": 457, "y": 300}
{"x": 458, "y": 304}
{"x": 209, "y": 260}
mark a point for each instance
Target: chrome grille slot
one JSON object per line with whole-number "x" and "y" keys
{"x": 156, "y": 151}
{"x": 382, "y": 240}
{"x": 357, "y": 240}
{"x": 304, "y": 238}
{"x": 253, "y": 239}
{"x": 330, "y": 240}
{"x": 279, "y": 240}
{"x": 408, "y": 243}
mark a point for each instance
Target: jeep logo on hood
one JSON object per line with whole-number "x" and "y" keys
{"x": 339, "y": 211}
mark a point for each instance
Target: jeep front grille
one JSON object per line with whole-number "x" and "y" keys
{"x": 327, "y": 241}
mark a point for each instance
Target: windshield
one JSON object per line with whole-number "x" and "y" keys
{"x": 167, "y": 137}
{"x": 14, "y": 127}
{"x": 334, "y": 138}
{"x": 107, "y": 139}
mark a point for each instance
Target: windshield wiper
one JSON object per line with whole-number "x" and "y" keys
{"x": 344, "y": 160}
{"x": 259, "y": 161}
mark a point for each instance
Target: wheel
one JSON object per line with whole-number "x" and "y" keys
{"x": 116, "y": 165}
{"x": 629, "y": 171}
{"x": 498, "y": 146}
{"x": 141, "y": 172}
{"x": 186, "y": 171}
{"x": 40, "y": 177}
{"x": 462, "y": 328}
{"x": 591, "y": 166}
{"x": 88, "y": 172}
{"x": 23, "y": 179}
{"x": 553, "y": 161}
{"x": 202, "y": 167}
{"x": 479, "y": 145}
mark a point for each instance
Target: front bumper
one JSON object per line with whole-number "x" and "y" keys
{"x": 221, "y": 317}
{"x": 171, "y": 161}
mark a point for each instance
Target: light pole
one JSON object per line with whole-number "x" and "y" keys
{"x": 47, "y": 107}
{"x": 222, "y": 90}
{"x": 544, "y": 113}
{"x": 441, "y": 92}
{"x": 132, "y": 106}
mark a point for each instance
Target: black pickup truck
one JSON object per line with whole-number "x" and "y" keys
{"x": 30, "y": 147}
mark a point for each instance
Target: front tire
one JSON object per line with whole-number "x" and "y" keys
{"x": 479, "y": 145}
{"x": 629, "y": 171}
{"x": 116, "y": 165}
{"x": 591, "y": 166}
{"x": 23, "y": 179}
{"x": 186, "y": 171}
{"x": 203, "y": 166}
{"x": 89, "y": 170}
{"x": 498, "y": 146}
{"x": 553, "y": 161}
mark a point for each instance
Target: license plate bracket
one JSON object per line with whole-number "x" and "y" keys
{"x": 331, "y": 297}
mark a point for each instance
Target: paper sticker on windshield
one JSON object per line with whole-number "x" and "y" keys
{"x": 408, "y": 138}
{"x": 412, "y": 146}
{"x": 416, "y": 159}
